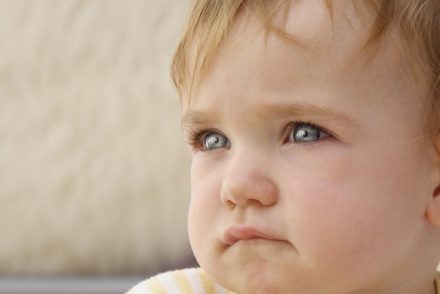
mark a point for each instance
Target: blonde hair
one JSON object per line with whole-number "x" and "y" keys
{"x": 418, "y": 22}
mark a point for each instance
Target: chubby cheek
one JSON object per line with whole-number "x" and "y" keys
{"x": 205, "y": 209}
{"x": 353, "y": 209}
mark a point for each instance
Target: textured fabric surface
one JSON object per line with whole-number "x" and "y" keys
{"x": 94, "y": 172}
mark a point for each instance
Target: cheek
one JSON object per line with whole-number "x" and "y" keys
{"x": 204, "y": 204}
{"x": 349, "y": 208}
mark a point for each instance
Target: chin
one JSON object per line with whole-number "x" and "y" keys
{"x": 254, "y": 279}
{"x": 258, "y": 287}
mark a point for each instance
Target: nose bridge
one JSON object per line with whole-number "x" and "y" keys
{"x": 247, "y": 180}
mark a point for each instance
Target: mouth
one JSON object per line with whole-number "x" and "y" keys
{"x": 236, "y": 233}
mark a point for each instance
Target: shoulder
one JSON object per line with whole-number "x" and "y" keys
{"x": 186, "y": 281}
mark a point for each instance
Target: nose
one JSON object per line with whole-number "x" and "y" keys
{"x": 248, "y": 182}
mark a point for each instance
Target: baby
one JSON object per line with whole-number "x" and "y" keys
{"x": 314, "y": 128}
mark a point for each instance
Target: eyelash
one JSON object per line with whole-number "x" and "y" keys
{"x": 196, "y": 137}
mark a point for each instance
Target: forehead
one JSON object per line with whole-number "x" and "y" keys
{"x": 326, "y": 61}
{"x": 316, "y": 24}
{"x": 307, "y": 21}
{"x": 340, "y": 32}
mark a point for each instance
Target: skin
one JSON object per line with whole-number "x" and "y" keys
{"x": 351, "y": 211}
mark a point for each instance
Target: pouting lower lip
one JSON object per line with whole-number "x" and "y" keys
{"x": 242, "y": 232}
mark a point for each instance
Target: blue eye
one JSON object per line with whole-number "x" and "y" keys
{"x": 214, "y": 140}
{"x": 305, "y": 132}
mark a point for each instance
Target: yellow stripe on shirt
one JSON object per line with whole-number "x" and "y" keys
{"x": 207, "y": 283}
{"x": 156, "y": 286}
{"x": 186, "y": 281}
{"x": 182, "y": 282}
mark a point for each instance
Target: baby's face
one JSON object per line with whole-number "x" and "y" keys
{"x": 309, "y": 174}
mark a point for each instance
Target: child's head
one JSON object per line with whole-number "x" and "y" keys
{"x": 314, "y": 127}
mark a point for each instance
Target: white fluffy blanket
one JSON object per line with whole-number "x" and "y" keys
{"x": 93, "y": 169}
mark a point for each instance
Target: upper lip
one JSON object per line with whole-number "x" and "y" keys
{"x": 237, "y": 233}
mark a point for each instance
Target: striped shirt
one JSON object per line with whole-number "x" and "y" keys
{"x": 193, "y": 281}
{"x": 187, "y": 281}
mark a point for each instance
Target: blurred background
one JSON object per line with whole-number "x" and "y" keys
{"x": 94, "y": 174}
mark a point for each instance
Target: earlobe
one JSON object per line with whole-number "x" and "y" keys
{"x": 433, "y": 209}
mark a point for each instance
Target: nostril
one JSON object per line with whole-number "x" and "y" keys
{"x": 229, "y": 204}
{"x": 436, "y": 191}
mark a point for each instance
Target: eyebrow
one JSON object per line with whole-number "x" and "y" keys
{"x": 302, "y": 109}
{"x": 197, "y": 117}
{"x": 280, "y": 110}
